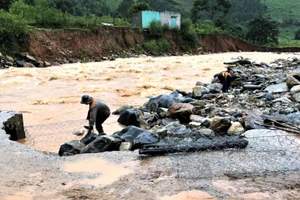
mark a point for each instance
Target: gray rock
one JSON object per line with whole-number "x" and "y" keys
{"x": 278, "y": 88}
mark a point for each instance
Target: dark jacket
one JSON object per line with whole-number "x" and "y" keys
{"x": 225, "y": 79}
{"x": 97, "y": 109}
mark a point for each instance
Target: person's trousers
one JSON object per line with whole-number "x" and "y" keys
{"x": 99, "y": 121}
{"x": 225, "y": 81}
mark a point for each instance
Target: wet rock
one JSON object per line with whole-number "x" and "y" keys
{"x": 13, "y": 124}
{"x": 198, "y": 91}
{"x": 194, "y": 124}
{"x": 215, "y": 87}
{"x": 130, "y": 117}
{"x": 80, "y": 131}
{"x": 8, "y": 63}
{"x": 296, "y": 97}
{"x": 197, "y": 118}
{"x": 102, "y": 144}
{"x": 269, "y": 96}
{"x": 209, "y": 96}
{"x": 282, "y": 100}
{"x": 206, "y": 123}
{"x": 294, "y": 118}
{"x": 236, "y": 128}
{"x": 180, "y": 111}
{"x": 204, "y": 132}
{"x": 220, "y": 125}
{"x": 122, "y": 108}
{"x": 29, "y": 65}
{"x": 20, "y": 63}
{"x": 136, "y": 135}
{"x": 295, "y": 89}
{"x": 126, "y": 146}
{"x": 88, "y": 138}
{"x": 71, "y": 148}
{"x": 293, "y": 79}
{"x": 9, "y": 59}
{"x": 252, "y": 87}
{"x": 166, "y": 101}
{"x": 174, "y": 129}
{"x": 253, "y": 121}
{"x": 30, "y": 58}
{"x": 278, "y": 88}
{"x": 146, "y": 137}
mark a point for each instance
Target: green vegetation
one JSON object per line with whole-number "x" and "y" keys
{"x": 157, "y": 46}
{"x": 262, "y": 31}
{"x": 155, "y": 29}
{"x": 13, "y": 32}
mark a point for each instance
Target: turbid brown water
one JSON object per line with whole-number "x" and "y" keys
{"x": 49, "y": 99}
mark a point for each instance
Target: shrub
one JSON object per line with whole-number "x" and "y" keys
{"x": 151, "y": 46}
{"x": 163, "y": 45}
{"x": 208, "y": 28}
{"x": 155, "y": 29}
{"x": 157, "y": 46}
{"x": 138, "y": 49}
{"x": 189, "y": 37}
{"x": 14, "y": 32}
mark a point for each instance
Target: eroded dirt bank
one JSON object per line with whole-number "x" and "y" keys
{"x": 74, "y": 45}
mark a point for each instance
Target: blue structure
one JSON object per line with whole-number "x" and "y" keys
{"x": 142, "y": 19}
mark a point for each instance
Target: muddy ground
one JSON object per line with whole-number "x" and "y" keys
{"x": 30, "y": 174}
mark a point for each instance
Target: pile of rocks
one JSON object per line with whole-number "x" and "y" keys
{"x": 25, "y": 60}
{"x": 263, "y": 96}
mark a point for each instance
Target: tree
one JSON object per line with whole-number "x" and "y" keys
{"x": 123, "y": 8}
{"x": 245, "y": 10}
{"x": 65, "y": 6}
{"x": 162, "y": 5}
{"x": 209, "y": 9}
{"x": 82, "y": 7}
{"x": 262, "y": 31}
{"x": 4, "y": 4}
{"x": 136, "y": 7}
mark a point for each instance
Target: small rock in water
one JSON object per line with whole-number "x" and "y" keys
{"x": 79, "y": 132}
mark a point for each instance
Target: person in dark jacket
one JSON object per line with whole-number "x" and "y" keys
{"x": 225, "y": 78}
{"x": 98, "y": 112}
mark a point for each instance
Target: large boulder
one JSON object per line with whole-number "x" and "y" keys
{"x": 293, "y": 79}
{"x": 13, "y": 124}
{"x": 130, "y": 117}
{"x": 137, "y": 136}
{"x": 181, "y": 111}
{"x": 71, "y": 148}
{"x": 101, "y": 144}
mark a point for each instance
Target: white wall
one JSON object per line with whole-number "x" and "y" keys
{"x": 165, "y": 18}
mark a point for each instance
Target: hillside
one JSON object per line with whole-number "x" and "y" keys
{"x": 281, "y": 11}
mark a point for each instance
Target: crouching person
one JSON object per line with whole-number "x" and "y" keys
{"x": 98, "y": 112}
{"x": 225, "y": 78}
